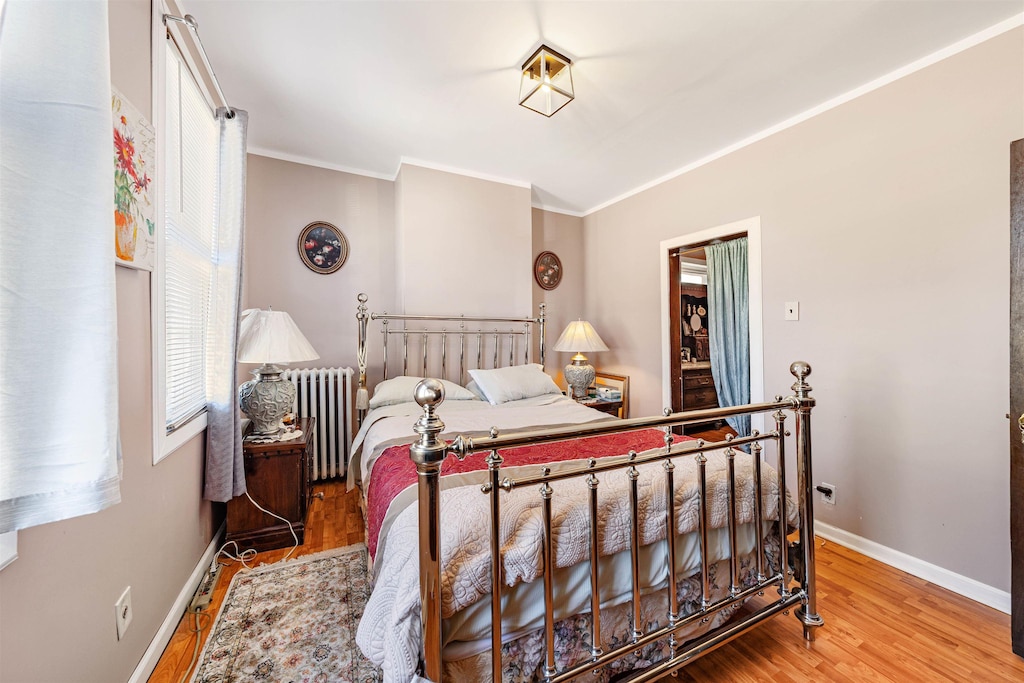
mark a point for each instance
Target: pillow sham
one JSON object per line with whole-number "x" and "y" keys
{"x": 475, "y": 388}
{"x": 501, "y": 385}
{"x": 400, "y": 389}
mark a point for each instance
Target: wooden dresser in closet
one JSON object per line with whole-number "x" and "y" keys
{"x": 698, "y": 386}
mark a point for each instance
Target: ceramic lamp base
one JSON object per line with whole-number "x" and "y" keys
{"x": 579, "y": 375}
{"x": 266, "y": 399}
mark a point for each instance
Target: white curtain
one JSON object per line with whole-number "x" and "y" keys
{"x": 225, "y": 476}
{"x": 58, "y": 329}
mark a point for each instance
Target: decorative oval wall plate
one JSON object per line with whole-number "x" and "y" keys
{"x": 322, "y": 247}
{"x": 547, "y": 270}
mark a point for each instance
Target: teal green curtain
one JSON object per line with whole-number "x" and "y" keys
{"x": 729, "y": 326}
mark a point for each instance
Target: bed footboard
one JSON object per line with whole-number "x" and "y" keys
{"x": 430, "y": 450}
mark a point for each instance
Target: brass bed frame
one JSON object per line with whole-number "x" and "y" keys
{"x": 795, "y": 587}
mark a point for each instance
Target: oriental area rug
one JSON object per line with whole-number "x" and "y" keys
{"x": 292, "y": 621}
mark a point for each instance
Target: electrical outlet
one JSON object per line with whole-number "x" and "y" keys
{"x": 792, "y": 310}
{"x": 828, "y": 495}
{"x": 123, "y": 612}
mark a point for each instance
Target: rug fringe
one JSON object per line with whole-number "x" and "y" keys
{"x": 332, "y": 552}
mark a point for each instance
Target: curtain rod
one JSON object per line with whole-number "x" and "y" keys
{"x": 191, "y": 22}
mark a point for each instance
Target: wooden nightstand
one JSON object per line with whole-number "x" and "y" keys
{"x": 610, "y": 407}
{"x": 277, "y": 477}
{"x": 618, "y": 407}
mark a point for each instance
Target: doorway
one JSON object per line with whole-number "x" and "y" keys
{"x": 682, "y": 254}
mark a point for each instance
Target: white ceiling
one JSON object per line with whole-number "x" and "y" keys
{"x": 659, "y": 85}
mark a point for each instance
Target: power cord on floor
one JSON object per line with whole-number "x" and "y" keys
{"x": 244, "y": 556}
{"x": 239, "y": 555}
{"x": 196, "y": 632}
{"x": 295, "y": 536}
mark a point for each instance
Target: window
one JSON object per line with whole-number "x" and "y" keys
{"x": 692, "y": 273}
{"x": 185, "y": 247}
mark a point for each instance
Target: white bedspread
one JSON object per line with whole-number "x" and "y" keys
{"x": 389, "y": 632}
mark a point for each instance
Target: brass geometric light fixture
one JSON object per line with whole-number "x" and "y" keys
{"x": 546, "y": 85}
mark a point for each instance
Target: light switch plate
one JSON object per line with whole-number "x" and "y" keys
{"x": 792, "y": 310}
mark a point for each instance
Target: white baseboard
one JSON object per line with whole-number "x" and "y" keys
{"x": 963, "y": 585}
{"x": 163, "y": 635}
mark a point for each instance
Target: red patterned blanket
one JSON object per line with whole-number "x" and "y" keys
{"x": 394, "y": 471}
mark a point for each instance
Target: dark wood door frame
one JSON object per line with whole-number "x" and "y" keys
{"x": 676, "y": 290}
{"x": 1017, "y": 395}
{"x": 752, "y": 228}
{"x": 676, "y": 338}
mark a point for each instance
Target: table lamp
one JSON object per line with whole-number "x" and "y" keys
{"x": 269, "y": 337}
{"x": 579, "y": 336}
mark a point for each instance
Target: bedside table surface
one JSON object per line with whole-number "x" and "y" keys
{"x": 303, "y": 424}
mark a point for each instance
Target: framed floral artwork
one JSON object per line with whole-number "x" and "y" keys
{"x": 322, "y": 247}
{"x": 547, "y": 270}
{"x": 134, "y": 156}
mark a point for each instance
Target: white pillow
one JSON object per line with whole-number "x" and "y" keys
{"x": 475, "y": 388}
{"x": 513, "y": 383}
{"x": 400, "y": 390}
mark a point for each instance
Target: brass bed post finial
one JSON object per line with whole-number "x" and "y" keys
{"x": 802, "y": 405}
{"x": 362, "y": 393}
{"x": 801, "y": 370}
{"x": 428, "y": 453}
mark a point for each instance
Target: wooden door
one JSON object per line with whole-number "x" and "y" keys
{"x": 1017, "y": 395}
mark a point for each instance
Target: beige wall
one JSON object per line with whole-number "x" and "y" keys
{"x": 281, "y": 199}
{"x": 407, "y": 231}
{"x": 887, "y": 218}
{"x": 57, "y": 599}
{"x": 563, "y": 235}
{"x": 462, "y": 244}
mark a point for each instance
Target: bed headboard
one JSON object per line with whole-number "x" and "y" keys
{"x": 444, "y": 346}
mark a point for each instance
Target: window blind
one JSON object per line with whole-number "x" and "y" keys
{"x": 189, "y": 202}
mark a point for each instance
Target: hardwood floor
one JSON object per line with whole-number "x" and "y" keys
{"x": 880, "y": 623}
{"x": 333, "y": 521}
{"x": 711, "y": 433}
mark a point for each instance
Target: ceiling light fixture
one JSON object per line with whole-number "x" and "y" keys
{"x": 546, "y": 85}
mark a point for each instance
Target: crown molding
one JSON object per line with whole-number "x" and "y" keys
{"x": 967, "y": 43}
{"x": 306, "y": 161}
{"x": 915, "y": 66}
{"x": 407, "y": 161}
{"x": 564, "y": 212}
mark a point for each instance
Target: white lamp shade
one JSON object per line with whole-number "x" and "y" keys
{"x": 580, "y": 337}
{"x": 271, "y": 337}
